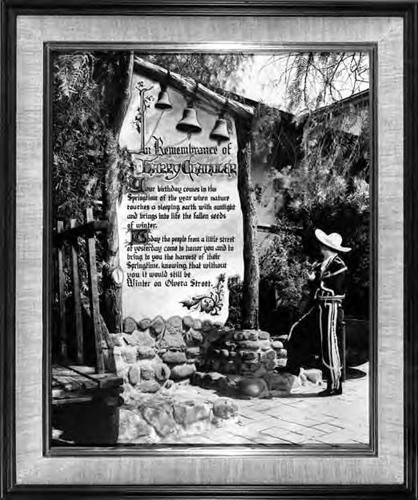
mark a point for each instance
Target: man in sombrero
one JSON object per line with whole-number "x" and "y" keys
{"x": 319, "y": 330}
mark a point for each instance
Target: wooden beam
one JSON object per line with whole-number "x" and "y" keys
{"x": 61, "y": 297}
{"x": 267, "y": 229}
{"x": 81, "y": 230}
{"x": 187, "y": 86}
{"x": 77, "y": 299}
{"x": 112, "y": 290}
{"x": 94, "y": 295}
{"x": 108, "y": 396}
{"x": 251, "y": 283}
{"x": 117, "y": 124}
{"x": 76, "y": 377}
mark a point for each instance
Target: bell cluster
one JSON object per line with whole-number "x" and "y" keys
{"x": 189, "y": 123}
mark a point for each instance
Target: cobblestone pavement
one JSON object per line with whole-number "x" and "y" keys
{"x": 303, "y": 418}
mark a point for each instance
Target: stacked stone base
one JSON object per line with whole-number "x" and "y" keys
{"x": 155, "y": 356}
{"x": 137, "y": 362}
{"x": 242, "y": 364}
{"x": 161, "y": 418}
{"x": 244, "y": 352}
{"x": 151, "y": 355}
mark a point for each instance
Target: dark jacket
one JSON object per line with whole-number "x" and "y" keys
{"x": 331, "y": 281}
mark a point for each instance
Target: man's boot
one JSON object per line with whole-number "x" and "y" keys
{"x": 330, "y": 391}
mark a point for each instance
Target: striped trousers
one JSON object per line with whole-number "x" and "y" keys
{"x": 329, "y": 319}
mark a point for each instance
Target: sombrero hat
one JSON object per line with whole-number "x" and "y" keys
{"x": 332, "y": 240}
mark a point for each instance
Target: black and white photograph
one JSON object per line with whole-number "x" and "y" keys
{"x": 212, "y": 269}
{"x": 209, "y": 249}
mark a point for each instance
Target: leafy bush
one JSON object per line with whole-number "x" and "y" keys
{"x": 327, "y": 188}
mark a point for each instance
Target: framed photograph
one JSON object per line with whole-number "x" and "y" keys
{"x": 209, "y": 245}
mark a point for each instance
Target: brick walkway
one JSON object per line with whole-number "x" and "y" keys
{"x": 302, "y": 418}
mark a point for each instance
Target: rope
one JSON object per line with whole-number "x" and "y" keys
{"x": 298, "y": 321}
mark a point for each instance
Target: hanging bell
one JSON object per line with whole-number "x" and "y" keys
{"x": 220, "y": 131}
{"x": 189, "y": 123}
{"x": 163, "y": 100}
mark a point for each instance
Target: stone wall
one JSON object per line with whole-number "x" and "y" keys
{"x": 152, "y": 354}
{"x": 244, "y": 352}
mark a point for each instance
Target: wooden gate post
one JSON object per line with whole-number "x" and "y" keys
{"x": 77, "y": 298}
{"x": 63, "y": 350}
{"x": 250, "y": 289}
{"x": 94, "y": 295}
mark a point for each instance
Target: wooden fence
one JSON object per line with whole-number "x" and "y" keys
{"x": 66, "y": 239}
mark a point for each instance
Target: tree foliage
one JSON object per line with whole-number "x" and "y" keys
{"x": 315, "y": 79}
{"x": 324, "y": 184}
{"x": 87, "y": 90}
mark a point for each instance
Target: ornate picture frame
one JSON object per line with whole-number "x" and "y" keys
{"x": 389, "y": 468}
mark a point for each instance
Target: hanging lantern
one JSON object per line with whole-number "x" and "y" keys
{"x": 220, "y": 131}
{"x": 189, "y": 123}
{"x": 163, "y": 100}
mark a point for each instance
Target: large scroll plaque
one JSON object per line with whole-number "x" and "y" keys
{"x": 179, "y": 219}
